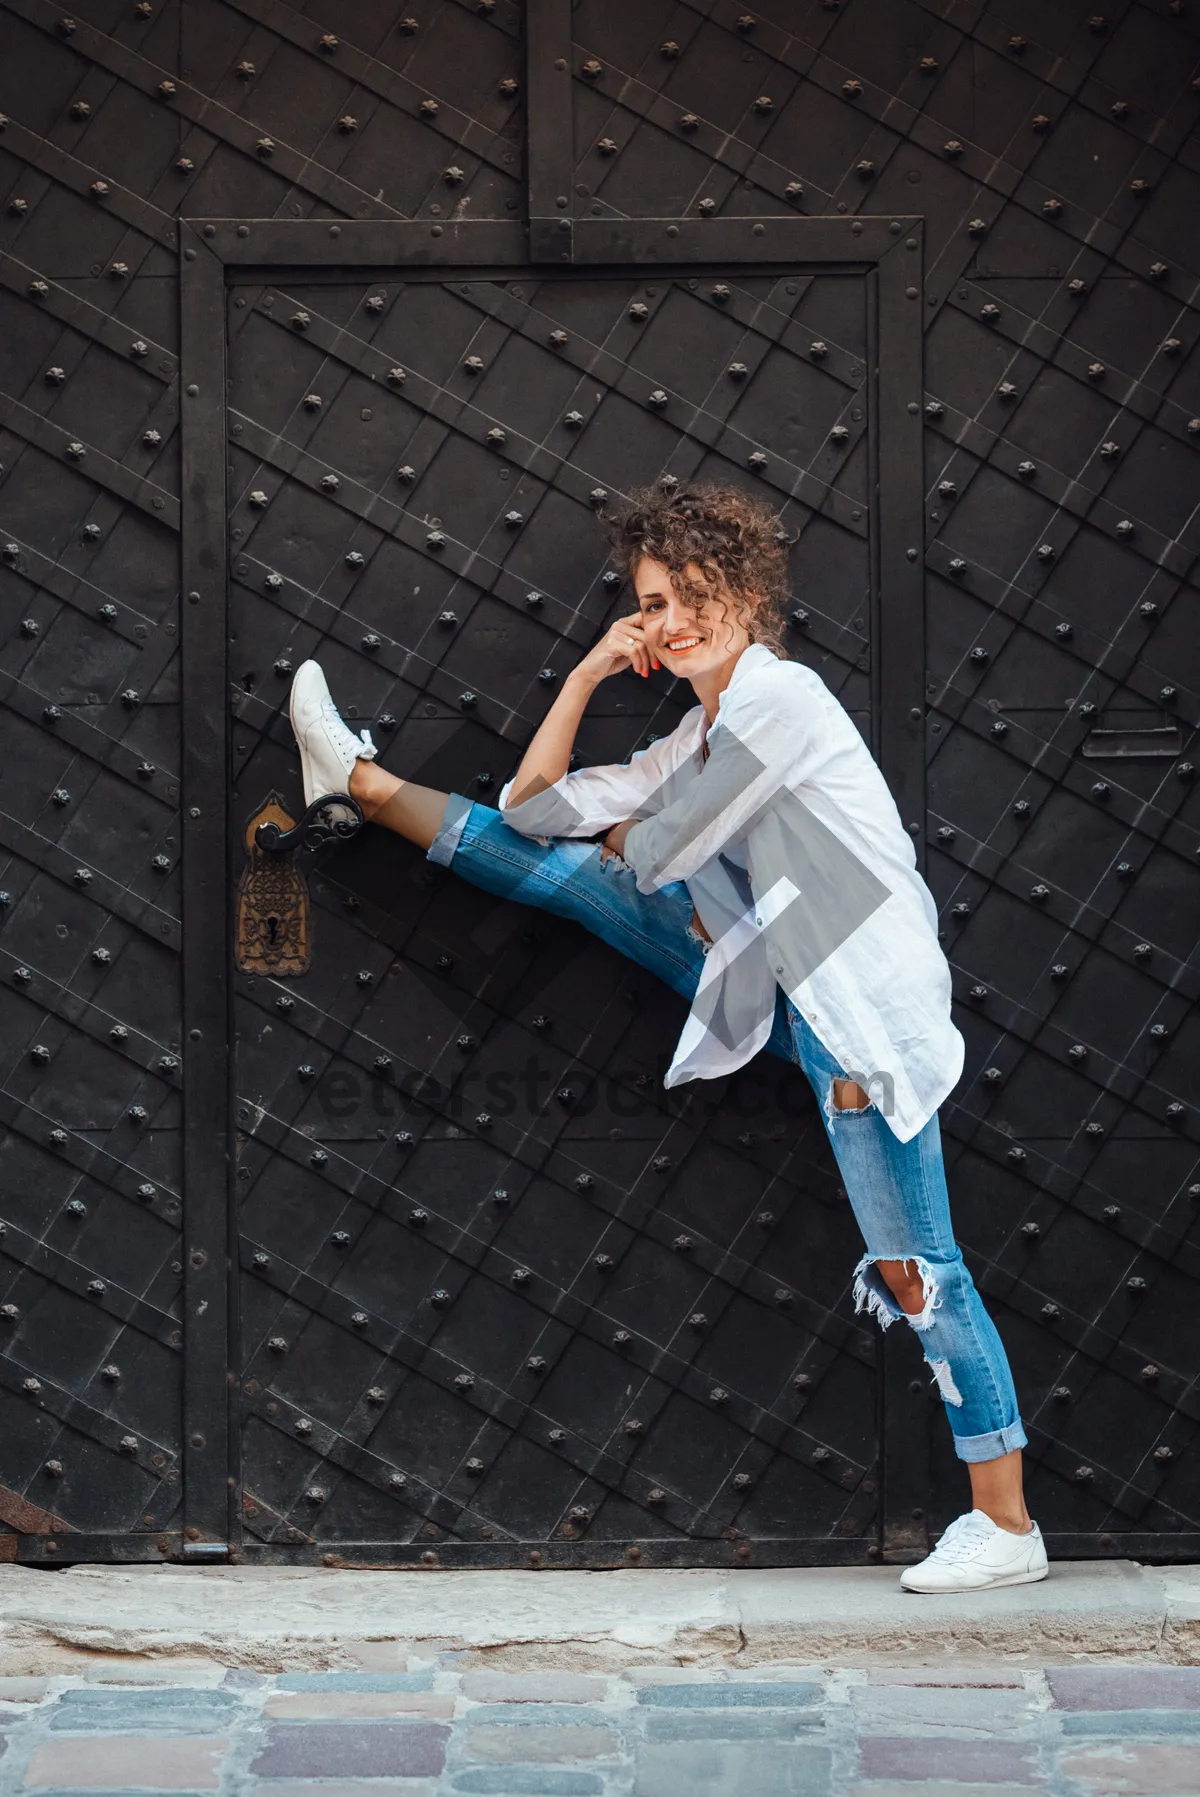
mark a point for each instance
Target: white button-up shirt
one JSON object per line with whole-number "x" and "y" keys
{"x": 801, "y": 872}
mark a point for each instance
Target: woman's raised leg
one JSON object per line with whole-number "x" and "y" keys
{"x": 410, "y": 810}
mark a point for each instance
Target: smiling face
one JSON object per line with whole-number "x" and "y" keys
{"x": 695, "y": 638}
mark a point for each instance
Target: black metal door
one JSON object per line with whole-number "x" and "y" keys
{"x": 501, "y": 1295}
{"x": 1050, "y": 618}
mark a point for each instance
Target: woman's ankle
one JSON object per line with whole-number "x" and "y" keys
{"x": 371, "y": 786}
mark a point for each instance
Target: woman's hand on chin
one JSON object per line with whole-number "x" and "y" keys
{"x": 623, "y": 645}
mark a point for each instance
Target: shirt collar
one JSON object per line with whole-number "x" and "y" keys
{"x": 756, "y": 655}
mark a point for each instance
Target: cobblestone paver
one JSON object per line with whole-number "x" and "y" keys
{"x": 439, "y": 1728}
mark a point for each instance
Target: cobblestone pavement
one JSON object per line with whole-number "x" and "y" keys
{"x": 435, "y": 1728}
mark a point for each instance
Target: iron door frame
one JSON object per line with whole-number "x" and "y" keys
{"x": 889, "y": 252}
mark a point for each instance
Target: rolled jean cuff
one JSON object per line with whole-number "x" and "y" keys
{"x": 992, "y": 1445}
{"x": 454, "y": 817}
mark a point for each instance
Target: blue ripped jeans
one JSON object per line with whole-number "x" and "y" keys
{"x": 897, "y": 1189}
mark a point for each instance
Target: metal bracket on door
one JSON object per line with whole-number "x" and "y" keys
{"x": 1134, "y": 741}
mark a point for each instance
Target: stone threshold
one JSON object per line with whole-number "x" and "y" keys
{"x": 272, "y": 1619}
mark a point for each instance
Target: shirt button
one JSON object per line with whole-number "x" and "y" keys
{"x": 758, "y": 921}
{"x": 779, "y": 970}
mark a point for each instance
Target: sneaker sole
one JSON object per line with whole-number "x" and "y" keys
{"x": 1012, "y": 1578}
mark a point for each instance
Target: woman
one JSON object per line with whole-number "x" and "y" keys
{"x": 755, "y": 860}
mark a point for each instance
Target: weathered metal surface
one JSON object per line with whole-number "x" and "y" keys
{"x": 1052, "y": 635}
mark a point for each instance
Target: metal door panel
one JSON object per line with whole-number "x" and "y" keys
{"x": 1044, "y": 149}
{"x": 518, "y": 1271}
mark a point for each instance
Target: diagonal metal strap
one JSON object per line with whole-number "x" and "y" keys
{"x": 142, "y": 913}
{"x": 99, "y": 327}
{"x": 134, "y": 489}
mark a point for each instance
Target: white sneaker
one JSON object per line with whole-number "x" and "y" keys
{"x": 974, "y": 1552}
{"x": 328, "y": 748}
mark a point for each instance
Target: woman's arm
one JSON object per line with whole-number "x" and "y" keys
{"x": 549, "y": 754}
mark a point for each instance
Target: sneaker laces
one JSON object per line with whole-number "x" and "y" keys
{"x": 343, "y": 738}
{"x": 963, "y": 1537}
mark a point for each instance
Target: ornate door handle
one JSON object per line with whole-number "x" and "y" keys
{"x": 273, "y": 935}
{"x": 335, "y": 818}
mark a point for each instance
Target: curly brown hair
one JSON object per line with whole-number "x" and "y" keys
{"x": 734, "y": 538}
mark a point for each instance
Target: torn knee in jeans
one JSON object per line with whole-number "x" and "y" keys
{"x": 872, "y": 1292}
